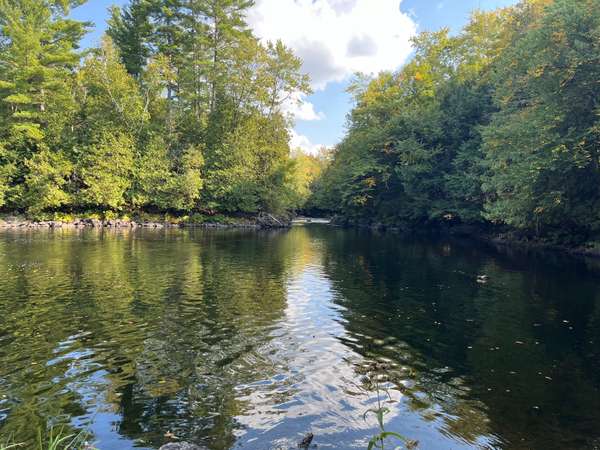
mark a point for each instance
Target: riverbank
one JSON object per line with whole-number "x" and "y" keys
{"x": 259, "y": 221}
{"x": 487, "y": 233}
{"x": 588, "y": 248}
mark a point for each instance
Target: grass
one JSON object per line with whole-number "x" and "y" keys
{"x": 55, "y": 440}
{"x": 9, "y": 446}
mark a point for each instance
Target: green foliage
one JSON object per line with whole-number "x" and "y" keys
{"x": 46, "y": 183}
{"x": 55, "y": 439}
{"x": 7, "y": 169}
{"x": 306, "y": 173}
{"x": 186, "y": 183}
{"x": 105, "y": 170}
{"x": 180, "y": 108}
{"x": 375, "y": 380}
{"x": 542, "y": 147}
{"x": 152, "y": 175}
{"x": 60, "y": 440}
{"x": 499, "y": 123}
{"x": 110, "y": 98}
{"x": 130, "y": 28}
{"x": 37, "y": 60}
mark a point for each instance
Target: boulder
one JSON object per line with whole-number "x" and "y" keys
{"x": 266, "y": 220}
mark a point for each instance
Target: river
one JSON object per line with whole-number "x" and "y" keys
{"x": 246, "y": 339}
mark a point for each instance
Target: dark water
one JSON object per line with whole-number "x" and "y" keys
{"x": 250, "y": 340}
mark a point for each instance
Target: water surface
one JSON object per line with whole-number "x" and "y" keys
{"x": 244, "y": 339}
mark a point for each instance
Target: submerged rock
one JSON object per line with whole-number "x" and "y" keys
{"x": 181, "y": 446}
{"x": 305, "y": 443}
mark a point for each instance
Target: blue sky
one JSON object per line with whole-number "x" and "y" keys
{"x": 335, "y": 38}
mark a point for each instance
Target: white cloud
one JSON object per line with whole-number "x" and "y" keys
{"x": 336, "y": 38}
{"x": 303, "y": 143}
{"x": 301, "y": 109}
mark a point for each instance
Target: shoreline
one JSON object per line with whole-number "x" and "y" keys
{"x": 503, "y": 238}
{"x": 487, "y": 235}
{"x": 260, "y": 222}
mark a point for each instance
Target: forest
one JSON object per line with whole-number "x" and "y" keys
{"x": 179, "y": 109}
{"x": 496, "y": 126}
{"x": 182, "y": 109}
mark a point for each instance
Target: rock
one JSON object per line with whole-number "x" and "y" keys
{"x": 266, "y": 220}
{"x": 152, "y": 225}
{"x": 94, "y": 223}
{"x": 305, "y": 443}
{"x": 181, "y": 446}
{"x": 411, "y": 444}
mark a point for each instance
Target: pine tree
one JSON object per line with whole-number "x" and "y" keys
{"x": 130, "y": 29}
{"x": 38, "y": 56}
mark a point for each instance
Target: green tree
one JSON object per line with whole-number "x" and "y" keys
{"x": 152, "y": 176}
{"x": 109, "y": 97}
{"x": 111, "y": 119}
{"x": 105, "y": 170}
{"x": 7, "y": 169}
{"x": 187, "y": 182}
{"x": 47, "y": 181}
{"x": 130, "y": 29}
{"x": 38, "y": 56}
{"x": 180, "y": 106}
{"x": 542, "y": 146}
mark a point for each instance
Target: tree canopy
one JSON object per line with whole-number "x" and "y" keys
{"x": 499, "y": 123}
{"x": 179, "y": 109}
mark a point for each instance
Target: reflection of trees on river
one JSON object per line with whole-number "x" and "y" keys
{"x": 511, "y": 360}
{"x": 203, "y": 334}
{"x": 163, "y": 326}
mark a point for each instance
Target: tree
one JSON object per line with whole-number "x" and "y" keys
{"x": 105, "y": 170}
{"x": 152, "y": 176}
{"x": 542, "y": 146}
{"x": 7, "y": 169}
{"x": 130, "y": 29}
{"x": 38, "y": 56}
{"x": 109, "y": 97}
{"x": 47, "y": 181}
{"x": 181, "y": 106}
{"x": 110, "y": 122}
{"x": 187, "y": 181}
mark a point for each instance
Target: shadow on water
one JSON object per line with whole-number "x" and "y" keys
{"x": 241, "y": 339}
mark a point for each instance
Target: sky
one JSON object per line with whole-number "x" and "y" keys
{"x": 335, "y": 39}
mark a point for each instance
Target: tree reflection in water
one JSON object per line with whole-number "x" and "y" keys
{"x": 237, "y": 338}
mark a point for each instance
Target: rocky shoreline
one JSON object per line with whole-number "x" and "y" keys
{"x": 262, "y": 221}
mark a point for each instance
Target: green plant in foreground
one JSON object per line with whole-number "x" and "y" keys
{"x": 374, "y": 380}
{"x": 378, "y": 441}
{"x": 9, "y": 446}
{"x": 61, "y": 441}
{"x": 55, "y": 440}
